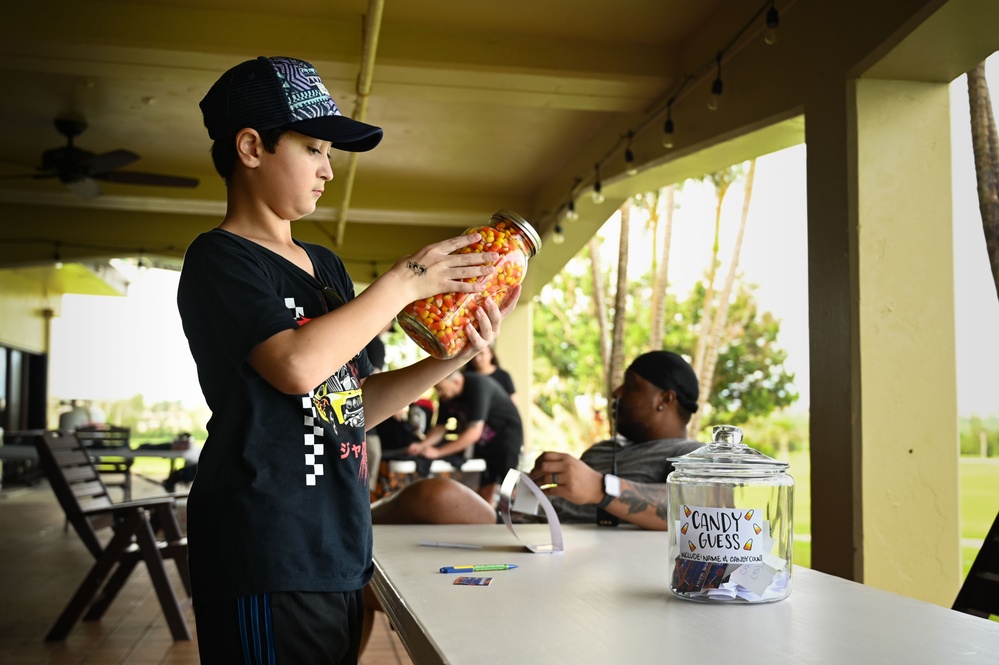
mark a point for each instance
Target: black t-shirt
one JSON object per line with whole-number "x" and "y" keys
{"x": 376, "y": 353}
{"x": 484, "y": 399}
{"x": 500, "y": 376}
{"x": 281, "y": 500}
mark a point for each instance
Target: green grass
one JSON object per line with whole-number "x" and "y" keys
{"x": 979, "y": 496}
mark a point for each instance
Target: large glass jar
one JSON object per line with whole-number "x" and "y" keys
{"x": 437, "y": 324}
{"x": 730, "y": 523}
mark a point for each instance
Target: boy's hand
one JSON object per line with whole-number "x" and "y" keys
{"x": 438, "y": 269}
{"x": 489, "y": 317}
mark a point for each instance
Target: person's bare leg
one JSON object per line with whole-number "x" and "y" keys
{"x": 427, "y": 501}
{"x": 433, "y": 501}
{"x": 488, "y": 493}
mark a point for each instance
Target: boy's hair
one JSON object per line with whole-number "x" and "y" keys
{"x": 224, "y": 150}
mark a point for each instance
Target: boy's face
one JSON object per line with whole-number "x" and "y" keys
{"x": 291, "y": 180}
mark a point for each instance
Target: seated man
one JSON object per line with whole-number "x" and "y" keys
{"x": 653, "y": 405}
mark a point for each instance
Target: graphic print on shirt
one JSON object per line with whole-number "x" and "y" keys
{"x": 338, "y": 403}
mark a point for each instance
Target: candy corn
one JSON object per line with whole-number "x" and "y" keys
{"x": 438, "y": 323}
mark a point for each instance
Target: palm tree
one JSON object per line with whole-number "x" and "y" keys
{"x": 722, "y": 180}
{"x": 716, "y": 335}
{"x": 616, "y": 373}
{"x": 985, "y": 143}
{"x": 662, "y": 272}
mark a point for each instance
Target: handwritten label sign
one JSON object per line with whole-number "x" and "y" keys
{"x": 723, "y": 535}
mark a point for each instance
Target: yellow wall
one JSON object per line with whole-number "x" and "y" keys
{"x": 23, "y": 303}
{"x": 908, "y": 409}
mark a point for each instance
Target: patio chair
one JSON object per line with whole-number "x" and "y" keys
{"x": 84, "y": 498}
{"x": 116, "y": 472}
{"x": 979, "y": 595}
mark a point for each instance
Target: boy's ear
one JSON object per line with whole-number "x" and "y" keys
{"x": 248, "y": 147}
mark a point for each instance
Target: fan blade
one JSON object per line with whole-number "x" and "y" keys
{"x": 28, "y": 176}
{"x": 109, "y": 161}
{"x": 85, "y": 188}
{"x": 139, "y": 178}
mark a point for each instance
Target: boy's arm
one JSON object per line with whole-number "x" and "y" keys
{"x": 387, "y": 392}
{"x": 297, "y": 360}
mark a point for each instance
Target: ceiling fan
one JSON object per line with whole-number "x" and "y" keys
{"x": 80, "y": 169}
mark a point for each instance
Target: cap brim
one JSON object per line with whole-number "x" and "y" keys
{"x": 343, "y": 132}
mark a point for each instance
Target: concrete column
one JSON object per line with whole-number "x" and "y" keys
{"x": 911, "y": 520}
{"x": 515, "y": 351}
{"x": 884, "y": 437}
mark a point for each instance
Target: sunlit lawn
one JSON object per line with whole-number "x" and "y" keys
{"x": 979, "y": 503}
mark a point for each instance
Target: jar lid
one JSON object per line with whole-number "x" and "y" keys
{"x": 727, "y": 452}
{"x": 525, "y": 227}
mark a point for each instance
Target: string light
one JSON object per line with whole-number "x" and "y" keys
{"x": 668, "y": 128}
{"x": 767, "y": 12}
{"x": 57, "y": 258}
{"x": 558, "y": 237}
{"x": 598, "y": 194}
{"x": 771, "y": 35}
{"x": 714, "y": 101}
{"x": 570, "y": 212}
{"x": 629, "y": 158}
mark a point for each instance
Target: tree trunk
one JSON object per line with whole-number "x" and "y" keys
{"x": 600, "y": 307}
{"x": 985, "y": 143}
{"x": 721, "y": 180}
{"x": 662, "y": 274}
{"x": 718, "y": 326}
{"x": 616, "y": 374}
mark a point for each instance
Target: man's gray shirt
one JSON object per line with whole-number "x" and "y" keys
{"x": 646, "y": 462}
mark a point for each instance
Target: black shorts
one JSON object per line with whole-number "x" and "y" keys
{"x": 282, "y": 628}
{"x": 498, "y": 462}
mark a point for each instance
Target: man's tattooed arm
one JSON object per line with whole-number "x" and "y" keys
{"x": 645, "y": 503}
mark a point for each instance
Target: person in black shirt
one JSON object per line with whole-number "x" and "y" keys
{"x": 487, "y": 364}
{"x": 487, "y": 419}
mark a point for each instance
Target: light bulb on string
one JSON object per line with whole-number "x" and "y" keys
{"x": 668, "y": 129}
{"x": 714, "y": 100}
{"x": 771, "y": 34}
{"x": 558, "y": 237}
{"x": 598, "y": 194}
{"x": 629, "y": 159}
{"x": 570, "y": 212}
{"x": 57, "y": 258}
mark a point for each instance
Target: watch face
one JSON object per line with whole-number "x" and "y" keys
{"x": 612, "y": 485}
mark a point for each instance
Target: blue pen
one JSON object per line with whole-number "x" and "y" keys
{"x": 477, "y": 569}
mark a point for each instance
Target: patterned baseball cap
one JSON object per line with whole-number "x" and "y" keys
{"x": 266, "y": 93}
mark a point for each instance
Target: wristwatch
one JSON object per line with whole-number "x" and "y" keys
{"x": 612, "y": 490}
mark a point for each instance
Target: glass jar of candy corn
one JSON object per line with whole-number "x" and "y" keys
{"x": 437, "y": 324}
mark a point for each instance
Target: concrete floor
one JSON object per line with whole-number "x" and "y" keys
{"x": 41, "y": 567}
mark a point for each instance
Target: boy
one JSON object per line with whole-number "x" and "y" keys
{"x": 279, "y": 518}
